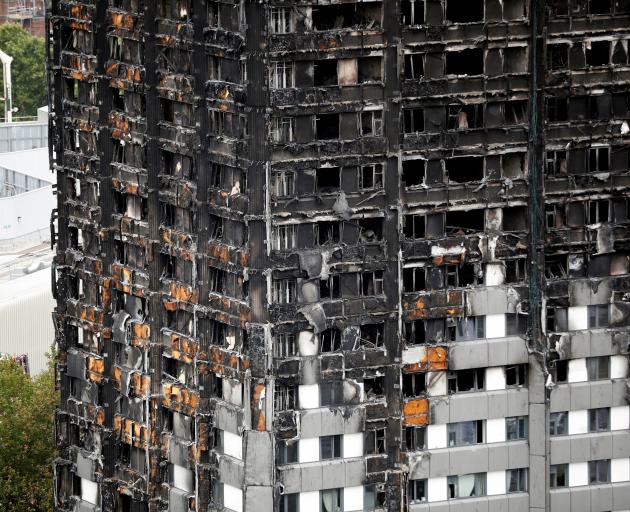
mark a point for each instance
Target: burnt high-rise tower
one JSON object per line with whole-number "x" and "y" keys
{"x": 341, "y": 256}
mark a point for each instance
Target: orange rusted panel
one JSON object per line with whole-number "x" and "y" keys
{"x": 416, "y": 412}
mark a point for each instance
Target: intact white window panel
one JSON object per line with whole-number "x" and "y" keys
{"x": 577, "y": 370}
{"x": 495, "y": 483}
{"x": 353, "y": 446}
{"x": 308, "y": 449}
{"x": 620, "y": 470}
{"x": 89, "y": 491}
{"x": 577, "y": 318}
{"x": 182, "y": 478}
{"x": 578, "y": 474}
{"x": 308, "y": 343}
{"x": 309, "y": 501}
{"x": 436, "y": 384}
{"x": 436, "y": 436}
{"x": 495, "y": 378}
{"x": 233, "y": 392}
{"x": 309, "y": 396}
{"x": 495, "y": 326}
{"x": 232, "y": 445}
{"x": 413, "y": 354}
{"x": 618, "y": 367}
{"x": 578, "y": 422}
{"x": 436, "y": 489}
{"x": 232, "y": 498}
{"x": 495, "y": 430}
{"x": 353, "y": 498}
{"x": 620, "y": 417}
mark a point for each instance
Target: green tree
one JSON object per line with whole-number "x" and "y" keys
{"x": 27, "y": 408}
{"x": 28, "y": 69}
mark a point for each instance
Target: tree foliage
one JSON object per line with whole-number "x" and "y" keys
{"x": 26, "y": 439}
{"x": 28, "y": 69}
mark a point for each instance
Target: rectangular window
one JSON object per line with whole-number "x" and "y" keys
{"x": 413, "y": 120}
{"x": 466, "y": 380}
{"x": 412, "y": 12}
{"x": 516, "y": 376}
{"x": 558, "y": 56}
{"x": 599, "y": 419}
{"x": 599, "y": 471}
{"x": 284, "y": 237}
{"x": 330, "y": 447}
{"x": 598, "y": 368}
{"x": 371, "y": 123}
{"x": 283, "y": 184}
{"x": 413, "y": 279}
{"x": 281, "y": 20}
{"x": 556, "y": 163}
{"x": 284, "y": 398}
{"x": 414, "y": 226}
{"x": 415, "y": 438}
{"x": 415, "y": 332}
{"x": 372, "y": 283}
{"x": 559, "y": 423}
{"x": 516, "y": 480}
{"x": 598, "y": 316}
{"x": 289, "y": 502}
{"x": 558, "y": 475}
{"x": 331, "y": 393}
{"x": 282, "y": 129}
{"x": 464, "y": 117}
{"x": 284, "y": 291}
{"x": 470, "y": 328}
{"x": 465, "y": 433}
{"x": 413, "y": 384}
{"x": 285, "y": 345}
{"x": 414, "y": 65}
{"x": 287, "y": 452}
{"x": 599, "y": 159}
{"x": 466, "y": 486}
{"x": 516, "y": 428}
{"x": 331, "y": 500}
{"x": 417, "y": 491}
{"x": 375, "y": 441}
{"x": 330, "y": 340}
{"x": 371, "y": 176}
{"x": 281, "y": 74}
{"x": 330, "y": 288}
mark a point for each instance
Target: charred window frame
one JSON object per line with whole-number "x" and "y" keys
{"x": 465, "y": 117}
{"x": 558, "y": 56}
{"x": 415, "y": 332}
{"x": 597, "y": 53}
{"x": 283, "y": 184}
{"x": 285, "y": 345}
{"x": 284, "y": 291}
{"x": 515, "y": 270}
{"x": 414, "y": 279}
{"x": 598, "y": 211}
{"x": 557, "y": 109}
{"x": 327, "y": 126}
{"x": 283, "y": 129}
{"x": 415, "y": 438}
{"x": 285, "y": 398}
{"x": 414, "y": 172}
{"x": 371, "y": 283}
{"x": 371, "y": 336}
{"x": 327, "y": 180}
{"x": 516, "y": 376}
{"x": 412, "y": 12}
{"x": 375, "y": 441}
{"x": 414, "y": 65}
{"x": 328, "y": 232}
{"x": 284, "y": 237}
{"x": 556, "y": 163}
{"x": 413, "y": 384}
{"x": 288, "y": 452}
{"x": 371, "y": 123}
{"x": 330, "y": 340}
{"x": 374, "y": 387}
{"x": 414, "y": 226}
{"x": 598, "y": 159}
{"x": 413, "y": 120}
{"x": 280, "y": 20}
{"x": 371, "y": 177}
{"x": 330, "y": 288}
{"x": 281, "y": 74}
{"x": 417, "y": 491}
{"x": 464, "y": 12}
{"x": 461, "y": 381}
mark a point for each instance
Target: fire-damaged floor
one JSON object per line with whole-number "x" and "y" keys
{"x": 341, "y": 256}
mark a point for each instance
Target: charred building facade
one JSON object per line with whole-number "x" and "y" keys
{"x": 341, "y": 256}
